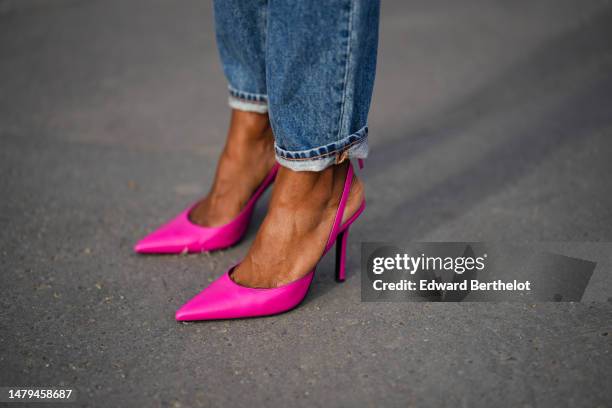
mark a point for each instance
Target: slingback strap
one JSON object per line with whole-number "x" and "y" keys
{"x": 339, "y": 214}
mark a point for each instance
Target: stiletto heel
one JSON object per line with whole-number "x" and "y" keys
{"x": 225, "y": 299}
{"x": 181, "y": 235}
{"x": 341, "y": 255}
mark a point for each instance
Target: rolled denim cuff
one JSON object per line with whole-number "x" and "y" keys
{"x": 354, "y": 146}
{"x": 248, "y": 102}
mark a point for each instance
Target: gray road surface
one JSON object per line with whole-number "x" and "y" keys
{"x": 491, "y": 120}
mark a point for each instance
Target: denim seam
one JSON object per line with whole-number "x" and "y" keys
{"x": 322, "y": 156}
{"x": 248, "y": 96}
{"x": 283, "y": 153}
{"x": 264, "y": 35}
{"x": 346, "y": 66}
{"x": 268, "y": 69}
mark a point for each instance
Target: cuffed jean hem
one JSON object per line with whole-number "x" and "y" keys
{"x": 354, "y": 146}
{"x": 248, "y": 102}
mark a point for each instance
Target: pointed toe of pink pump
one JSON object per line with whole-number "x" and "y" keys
{"x": 159, "y": 242}
{"x": 225, "y": 299}
{"x": 181, "y": 235}
{"x": 173, "y": 237}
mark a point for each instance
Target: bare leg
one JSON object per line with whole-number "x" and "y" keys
{"x": 245, "y": 161}
{"x": 293, "y": 235}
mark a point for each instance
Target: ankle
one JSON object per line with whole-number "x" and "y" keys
{"x": 310, "y": 190}
{"x": 298, "y": 224}
{"x": 251, "y": 125}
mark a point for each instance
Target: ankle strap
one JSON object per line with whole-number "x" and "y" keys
{"x": 340, "y": 213}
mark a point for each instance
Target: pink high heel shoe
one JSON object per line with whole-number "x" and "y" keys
{"x": 181, "y": 235}
{"x": 225, "y": 299}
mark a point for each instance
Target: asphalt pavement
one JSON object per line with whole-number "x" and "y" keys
{"x": 491, "y": 121}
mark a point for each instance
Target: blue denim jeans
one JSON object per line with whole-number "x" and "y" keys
{"x": 310, "y": 64}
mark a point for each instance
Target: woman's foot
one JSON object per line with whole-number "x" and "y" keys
{"x": 292, "y": 238}
{"x": 245, "y": 161}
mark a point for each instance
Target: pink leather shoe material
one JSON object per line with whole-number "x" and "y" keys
{"x": 181, "y": 235}
{"x": 225, "y": 299}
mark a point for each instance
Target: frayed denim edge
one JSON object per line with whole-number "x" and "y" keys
{"x": 359, "y": 150}
{"x": 319, "y": 152}
{"x": 247, "y": 101}
{"x": 247, "y": 106}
